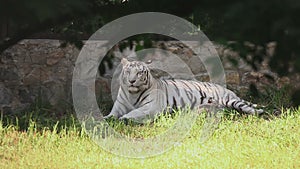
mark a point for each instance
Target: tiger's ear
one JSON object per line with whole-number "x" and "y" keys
{"x": 124, "y": 61}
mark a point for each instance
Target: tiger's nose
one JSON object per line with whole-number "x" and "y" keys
{"x": 131, "y": 81}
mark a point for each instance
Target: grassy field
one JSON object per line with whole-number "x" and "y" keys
{"x": 238, "y": 142}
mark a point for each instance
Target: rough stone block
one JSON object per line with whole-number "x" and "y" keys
{"x": 5, "y": 95}
{"x": 8, "y": 73}
{"x": 232, "y": 77}
{"x": 36, "y": 76}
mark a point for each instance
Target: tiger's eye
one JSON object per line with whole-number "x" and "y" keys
{"x": 140, "y": 73}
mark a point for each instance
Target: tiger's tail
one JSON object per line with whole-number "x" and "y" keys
{"x": 244, "y": 106}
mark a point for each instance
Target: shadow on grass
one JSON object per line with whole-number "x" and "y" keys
{"x": 42, "y": 118}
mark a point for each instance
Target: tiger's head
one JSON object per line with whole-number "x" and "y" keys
{"x": 135, "y": 76}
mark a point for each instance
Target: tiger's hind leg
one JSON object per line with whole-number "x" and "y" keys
{"x": 210, "y": 105}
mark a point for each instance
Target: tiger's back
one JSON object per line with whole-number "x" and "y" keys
{"x": 181, "y": 93}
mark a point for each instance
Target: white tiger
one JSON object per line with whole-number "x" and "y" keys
{"x": 141, "y": 95}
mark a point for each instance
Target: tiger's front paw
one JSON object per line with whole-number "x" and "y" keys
{"x": 109, "y": 116}
{"x": 124, "y": 118}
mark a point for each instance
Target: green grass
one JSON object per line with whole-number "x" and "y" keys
{"x": 238, "y": 142}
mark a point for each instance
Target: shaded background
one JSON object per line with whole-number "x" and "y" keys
{"x": 253, "y": 21}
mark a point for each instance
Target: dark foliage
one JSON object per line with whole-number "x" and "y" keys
{"x": 258, "y": 22}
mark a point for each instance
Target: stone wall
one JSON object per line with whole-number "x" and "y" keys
{"x": 40, "y": 71}
{"x": 36, "y": 70}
